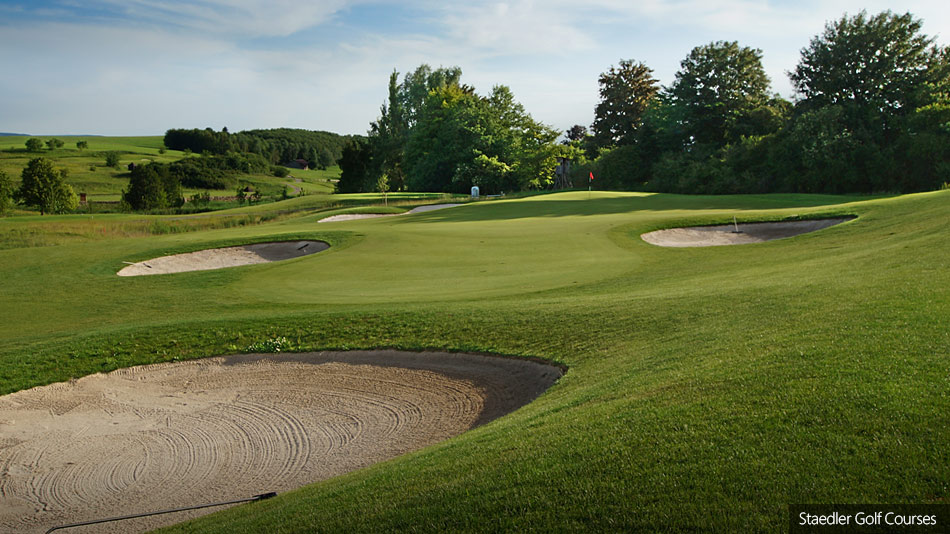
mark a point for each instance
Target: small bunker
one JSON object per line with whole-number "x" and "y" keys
{"x": 736, "y": 234}
{"x": 220, "y": 258}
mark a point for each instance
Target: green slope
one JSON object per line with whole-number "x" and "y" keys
{"x": 708, "y": 388}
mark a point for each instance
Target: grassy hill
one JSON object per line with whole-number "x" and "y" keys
{"x": 89, "y": 174}
{"x": 707, "y": 389}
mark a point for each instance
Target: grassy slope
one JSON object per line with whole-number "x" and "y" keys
{"x": 708, "y": 388}
{"x": 88, "y": 173}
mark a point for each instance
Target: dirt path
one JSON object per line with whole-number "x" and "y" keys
{"x": 712, "y": 236}
{"x": 220, "y": 258}
{"x": 172, "y": 435}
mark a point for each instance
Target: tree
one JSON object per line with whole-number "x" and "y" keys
{"x": 82, "y": 145}
{"x": 6, "y": 192}
{"x": 45, "y": 188}
{"x": 462, "y": 139}
{"x": 716, "y": 86}
{"x": 878, "y": 68}
{"x": 354, "y": 166}
{"x": 382, "y": 186}
{"x": 153, "y": 186}
{"x": 34, "y": 145}
{"x": 625, "y": 94}
{"x": 388, "y": 136}
{"x": 575, "y": 133}
{"x": 413, "y": 92}
{"x": 54, "y": 143}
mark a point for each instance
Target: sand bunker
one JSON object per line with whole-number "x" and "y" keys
{"x": 220, "y": 258}
{"x": 355, "y": 216}
{"x": 712, "y": 236}
{"x": 172, "y": 435}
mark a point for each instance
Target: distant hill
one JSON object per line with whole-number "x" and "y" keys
{"x": 7, "y": 134}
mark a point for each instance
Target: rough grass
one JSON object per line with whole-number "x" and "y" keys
{"x": 708, "y": 388}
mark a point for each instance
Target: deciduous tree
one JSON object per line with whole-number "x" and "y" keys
{"x": 153, "y": 186}
{"x": 625, "y": 94}
{"x": 354, "y": 166}
{"x": 45, "y": 188}
{"x": 34, "y": 145}
{"x": 882, "y": 63}
{"x": 716, "y": 86}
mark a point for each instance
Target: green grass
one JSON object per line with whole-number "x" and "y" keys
{"x": 708, "y": 388}
{"x": 88, "y": 173}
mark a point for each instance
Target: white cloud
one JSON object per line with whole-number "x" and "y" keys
{"x": 187, "y": 64}
{"x": 514, "y": 27}
{"x": 244, "y": 18}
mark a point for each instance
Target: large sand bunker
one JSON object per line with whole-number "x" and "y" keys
{"x": 712, "y": 236}
{"x": 172, "y": 435}
{"x": 220, "y": 258}
{"x": 356, "y": 216}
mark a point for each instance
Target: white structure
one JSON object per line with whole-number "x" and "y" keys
{"x": 475, "y": 191}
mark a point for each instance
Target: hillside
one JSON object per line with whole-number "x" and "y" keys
{"x": 707, "y": 388}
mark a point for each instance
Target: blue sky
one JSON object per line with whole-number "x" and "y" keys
{"x": 140, "y": 67}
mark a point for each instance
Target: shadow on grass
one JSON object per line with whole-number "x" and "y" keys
{"x": 578, "y": 204}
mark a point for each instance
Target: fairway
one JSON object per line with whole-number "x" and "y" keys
{"x": 707, "y": 388}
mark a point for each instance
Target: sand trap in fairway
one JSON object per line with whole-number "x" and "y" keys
{"x": 712, "y": 236}
{"x": 220, "y": 258}
{"x": 172, "y": 435}
{"x": 355, "y": 216}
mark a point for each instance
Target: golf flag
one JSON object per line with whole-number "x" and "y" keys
{"x": 591, "y": 176}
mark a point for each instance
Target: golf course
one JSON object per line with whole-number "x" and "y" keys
{"x": 703, "y": 388}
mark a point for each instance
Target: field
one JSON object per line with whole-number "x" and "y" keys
{"x": 89, "y": 174}
{"x": 707, "y": 388}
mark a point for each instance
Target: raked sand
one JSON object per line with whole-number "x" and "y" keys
{"x": 173, "y": 435}
{"x": 220, "y": 258}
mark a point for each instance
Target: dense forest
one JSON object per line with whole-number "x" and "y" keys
{"x": 871, "y": 114}
{"x": 277, "y": 146}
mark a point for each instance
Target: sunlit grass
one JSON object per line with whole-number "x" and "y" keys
{"x": 707, "y": 388}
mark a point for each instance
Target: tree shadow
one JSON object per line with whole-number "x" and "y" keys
{"x": 578, "y": 204}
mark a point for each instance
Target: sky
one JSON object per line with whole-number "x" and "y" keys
{"x": 140, "y": 67}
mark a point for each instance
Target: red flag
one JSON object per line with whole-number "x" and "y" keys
{"x": 591, "y": 176}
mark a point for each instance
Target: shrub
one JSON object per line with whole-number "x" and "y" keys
{"x": 112, "y": 159}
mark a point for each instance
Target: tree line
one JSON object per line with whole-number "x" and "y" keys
{"x": 871, "y": 114}
{"x": 277, "y": 146}
{"x": 436, "y": 134}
